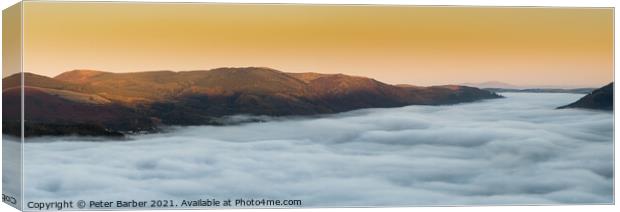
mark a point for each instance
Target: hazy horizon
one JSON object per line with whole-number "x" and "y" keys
{"x": 419, "y": 45}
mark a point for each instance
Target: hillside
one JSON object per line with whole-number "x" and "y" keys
{"x": 141, "y": 101}
{"x": 599, "y": 99}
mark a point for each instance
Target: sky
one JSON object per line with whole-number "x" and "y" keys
{"x": 397, "y": 45}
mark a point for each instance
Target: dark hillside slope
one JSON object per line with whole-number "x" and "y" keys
{"x": 599, "y": 99}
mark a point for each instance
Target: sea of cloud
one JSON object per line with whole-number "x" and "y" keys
{"x": 515, "y": 150}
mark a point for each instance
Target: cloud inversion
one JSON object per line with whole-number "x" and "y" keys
{"x": 516, "y": 150}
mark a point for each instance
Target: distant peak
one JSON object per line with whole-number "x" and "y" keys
{"x": 79, "y": 75}
{"x": 82, "y": 72}
{"x": 85, "y": 71}
{"x": 247, "y": 69}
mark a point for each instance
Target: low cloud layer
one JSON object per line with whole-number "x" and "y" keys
{"x": 516, "y": 150}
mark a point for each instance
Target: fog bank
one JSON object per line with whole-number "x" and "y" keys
{"x": 516, "y": 150}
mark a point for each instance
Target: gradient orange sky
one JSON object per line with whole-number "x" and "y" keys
{"x": 404, "y": 44}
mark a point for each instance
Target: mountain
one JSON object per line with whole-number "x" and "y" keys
{"x": 88, "y": 102}
{"x": 599, "y": 99}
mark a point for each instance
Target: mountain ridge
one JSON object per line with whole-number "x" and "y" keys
{"x": 141, "y": 101}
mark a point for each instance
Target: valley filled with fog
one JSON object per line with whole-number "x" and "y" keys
{"x": 514, "y": 150}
